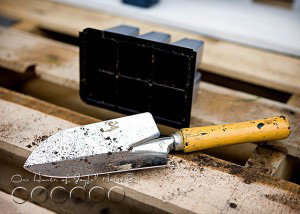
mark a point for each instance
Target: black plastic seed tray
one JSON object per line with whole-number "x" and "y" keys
{"x": 131, "y": 73}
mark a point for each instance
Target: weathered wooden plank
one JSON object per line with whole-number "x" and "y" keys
{"x": 10, "y": 170}
{"x": 46, "y": 107}
{"x": 25, "y": 25}
{"x": 294, "y": 100}
{"x": 53, "y": 61}
{"x": 58, "y": 63}
{"x": 220, "y": 105}
{"x": 248, "y": 64}
{"x": 265, "y": 160}
{"x": 8, "y": 206}
{"x": 25, "y": 138}
{"x": 272, "y": 162}
{"x": 190, "y": 183}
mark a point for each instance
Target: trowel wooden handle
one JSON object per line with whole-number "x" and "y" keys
{"x": 199, "y": 138}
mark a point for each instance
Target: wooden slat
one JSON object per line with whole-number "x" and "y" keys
{"x": 12, "y": 157}
{"x": 294, "y": 100}
{"x": 220, "y": 105}
{"x": 9, "y": 169}
{"x": 190, "y": 183}
{"x": 265, "y": 160}
{"x": 53, "y": 61}
{"x": 8, "y": 206}
{"x": 25, "y": 25}
{"x": 272, "y": 162}
{"x": 248, "y": 64}
{"x": 58, "y": 63}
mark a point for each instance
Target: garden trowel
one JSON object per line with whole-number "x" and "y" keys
{"x": 134, "y": 142}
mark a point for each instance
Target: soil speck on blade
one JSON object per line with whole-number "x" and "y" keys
{"x": 87, "y": 161}
{"x": 110, "y": 123}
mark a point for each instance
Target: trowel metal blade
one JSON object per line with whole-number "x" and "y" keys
{"x": 100, "y": 148}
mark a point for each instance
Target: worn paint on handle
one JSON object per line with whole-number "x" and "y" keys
{"x": 199, "y": 138}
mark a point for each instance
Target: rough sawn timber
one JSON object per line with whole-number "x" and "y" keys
{"x": 58, "y": 63}
{"x": 239, "y": 62}
{"x": 190, "y": 183}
